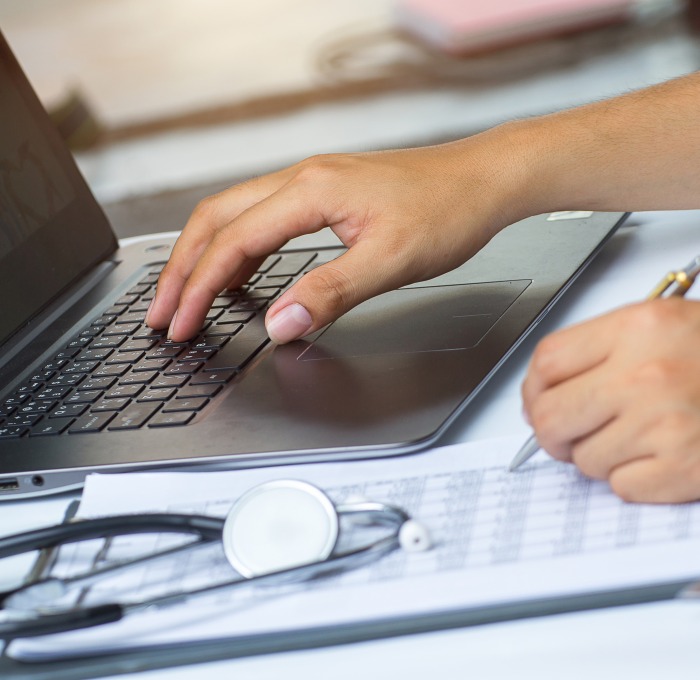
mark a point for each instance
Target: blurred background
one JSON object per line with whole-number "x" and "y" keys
{"x": 167, "y": 101}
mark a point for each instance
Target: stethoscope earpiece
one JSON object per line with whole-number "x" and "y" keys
{"x": 414, "y": 536}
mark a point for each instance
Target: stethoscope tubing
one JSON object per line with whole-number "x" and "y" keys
{"x": 35, "y": 624}
{"x": 23, "y": 623}
{"x": 208, "y": 528}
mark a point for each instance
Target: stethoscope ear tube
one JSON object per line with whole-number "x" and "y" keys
{"x": 208, "y": 528}
{"x": 47, "y": 624}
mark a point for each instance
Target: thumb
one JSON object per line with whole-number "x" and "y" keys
{"x": 327, "y": 292}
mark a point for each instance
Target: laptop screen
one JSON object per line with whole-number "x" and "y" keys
{"x": 51, "y": 229}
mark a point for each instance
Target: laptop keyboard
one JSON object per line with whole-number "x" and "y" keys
{"x": 119, "y": 374}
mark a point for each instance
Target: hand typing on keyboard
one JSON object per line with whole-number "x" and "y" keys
{"x": 404, "y": 215}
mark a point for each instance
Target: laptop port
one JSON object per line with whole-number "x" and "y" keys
{"x": 9, "y": 484}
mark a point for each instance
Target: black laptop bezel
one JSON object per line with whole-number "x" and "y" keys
{"x": 68, "y": 245}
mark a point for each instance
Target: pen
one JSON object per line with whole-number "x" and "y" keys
{"x": 674, "y": 283}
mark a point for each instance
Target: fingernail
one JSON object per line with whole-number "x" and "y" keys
{"x": 171, "y": 329}
{"x": 526, "y": 417}
{"x": 289, "y": 324}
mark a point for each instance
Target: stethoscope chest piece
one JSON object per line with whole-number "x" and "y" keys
{"x": 279, "y": 525}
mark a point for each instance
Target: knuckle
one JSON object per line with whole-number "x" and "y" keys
{"x": 321, "y": 168}
{"x": 334, "y": 287}
{"x": 658, "y": 375}
{"x": 206, "y": 209}
{"x": 624, "y": 487}
{"x": 676, "y": 427}
{"x": 545, "y": 418}
{"x": 653, "y": 316}
{"x": 544, "y": 361}
{"x": 589, "y": 464}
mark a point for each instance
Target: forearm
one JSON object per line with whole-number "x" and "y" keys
{"x": 639, "y": 151}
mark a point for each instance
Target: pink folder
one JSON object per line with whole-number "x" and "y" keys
{"x": 462, "y": 26}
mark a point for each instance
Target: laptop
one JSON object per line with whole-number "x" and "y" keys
{"x": 86, "y": 386}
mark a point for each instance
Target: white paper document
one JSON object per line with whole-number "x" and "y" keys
{"x": 542, "y": 531}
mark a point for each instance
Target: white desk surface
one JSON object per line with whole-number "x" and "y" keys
{"x": 643, "y": 641}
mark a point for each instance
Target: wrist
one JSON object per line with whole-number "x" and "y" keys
{"x": 544, "y": 165}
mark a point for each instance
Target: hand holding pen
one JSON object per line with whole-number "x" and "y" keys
{"x": 595, "y": 385}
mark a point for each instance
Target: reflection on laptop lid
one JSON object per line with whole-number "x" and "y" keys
{"x": 86, "y": 386}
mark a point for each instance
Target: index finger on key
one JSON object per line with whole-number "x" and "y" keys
{"x": 258, "y": 231}
{"x": 210, "y": 215}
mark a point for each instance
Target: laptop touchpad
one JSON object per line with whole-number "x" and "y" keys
{"x": 417, "y": 319}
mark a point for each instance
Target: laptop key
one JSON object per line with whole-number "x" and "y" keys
{"x": 139, "y": 378}
{"x": 212, "y": 377}
{"x": 126, "y": 299}
{"x": 170, "y": 381}
{"x": 274, "y": 282}
{"x": 224, "y": 329}
{"x": 94, "y": 354}
{"x": 111, "y": 341}
{"x": 125, "y": 357}
{"x": 111, "y": 404}
{"x": 262, "y": 294}
{"x": 111, "y": 370}
{"x": 68, "y": 353}
{"x": 115, "y": 310}
{"x": 79, "y": 342}
{"x": 97, "y": 383}
{"x": 12, "y": 432}
{"x": 185, "y": 405}
{"x": 42, "y": 376}
{"x": 87, "y": 397}
{"x": 197, "y": 355}
{"x": 50, "y": 427}
{"x": 29, "y": 388}
{"x": 171, "y": 419}
{"x": 143, "y": 345}
{"x": 91, "y": 331}
{"x": 142, "y": 331}
{"x": 211, "y": 342}
{"x": 121, "y": 391}
{"x": 55, "y": 365}
{"x": 23, "y": 420}
{"x": 151, "y": 365}
{"x": 268, "y": 263}
{"x": 71, "y": 380}
{"x": 68, "y": 411}
{"x": 121, "y": 329}
{"x": 36, "y": 407}
{"x": 16, "y": 400}
{"x": 131, "y": 317}
{"x": 198, "y": 391}
{"x": 164, "y": 352}
{"x": 291, "y": 265}
{"x": 188, "y": 368}
{"x": 134, "y": 416}
{"x": 53, "y": 392}
{"x": 82, "y": 367}
{"x": 157, "y": 394}
{"x": 247, "y": 343}
{"x": 243, "y": 305}
{"x": 91, "y": 422}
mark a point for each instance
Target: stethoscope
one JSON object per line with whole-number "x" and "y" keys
{"x": 278, "y": 532}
